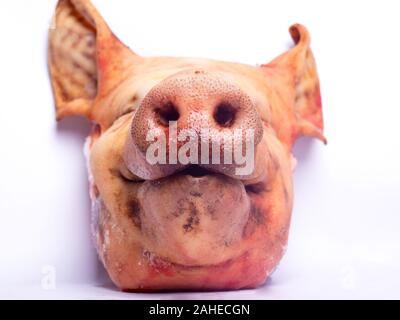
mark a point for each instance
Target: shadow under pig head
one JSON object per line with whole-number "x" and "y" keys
{"x": 188, "y": 224}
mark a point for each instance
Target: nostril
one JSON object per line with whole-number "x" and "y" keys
{"x": 166, "y": 113}
{"x": 225, "y": 114}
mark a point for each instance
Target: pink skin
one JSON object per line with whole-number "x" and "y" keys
{"x": 167, "y": 227}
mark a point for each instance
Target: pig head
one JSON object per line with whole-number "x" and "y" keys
{"x": 184, "y": 225}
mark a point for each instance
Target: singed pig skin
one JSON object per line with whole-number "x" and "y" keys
{"x": 160, "y": 228}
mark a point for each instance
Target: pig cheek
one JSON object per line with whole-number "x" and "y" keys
{"x": 122, "y": 258}
{"x": 271, "y": 204}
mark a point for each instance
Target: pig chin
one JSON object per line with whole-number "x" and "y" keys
{"x": 194, "y": 220}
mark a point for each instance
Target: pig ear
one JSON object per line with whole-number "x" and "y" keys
{"x": 84, "y": 57}
{"x": 297, "y": 69}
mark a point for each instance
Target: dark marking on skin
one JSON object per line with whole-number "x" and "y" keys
{"x": 118, "y": 196}
{"x": 79, "y": 67}
{"x": 65, "y": 96}
{"x": 227, "y": 243}
{"x": 90, "y": 40}
{"x": 96, "y": 191}
{"x": 285, "y": 191}
{"x": 286, "y": 194}
{"x": 257, "y": 214}
{"x": 211, "y": 209}
{"x": 88, "y": 56}
{"x": 115, "y": 172}
{"x": 156, "y": 184}
{"x": 133, "y": 99}
{"x": 257, "y": 188}
{"x": 193, "y": 219}
{"x": 100, "y": 232}
{"x": 131, "y": 104}
{"x": 280, "y": 237}
{"x": 282, "y": 234}
{"x": 181, "y": 207}
{"x": 196, "y": 193}
{"x": 127, "y": 111}
{"x": 96, "y": 131}
{"x": 256, "y": 218}
{"x": 134, "y": 210}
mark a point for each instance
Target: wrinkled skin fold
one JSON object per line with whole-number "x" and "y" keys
{"x": 168, "y": 227}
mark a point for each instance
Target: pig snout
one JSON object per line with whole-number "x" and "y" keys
{"x": 196, "y": 117}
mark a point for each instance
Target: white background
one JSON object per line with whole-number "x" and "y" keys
{"x": 345, "y": 239}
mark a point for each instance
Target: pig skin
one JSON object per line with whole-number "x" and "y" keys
{"x": 156, "y": 235}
